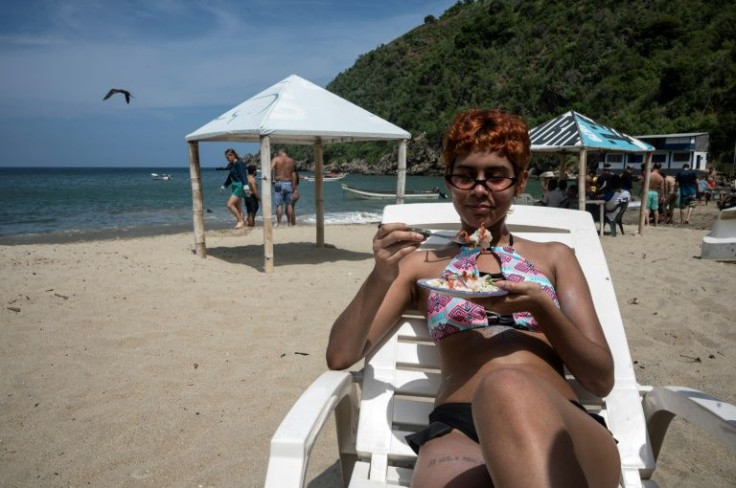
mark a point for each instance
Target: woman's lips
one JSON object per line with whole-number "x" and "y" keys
{"x": 480, "y": 207}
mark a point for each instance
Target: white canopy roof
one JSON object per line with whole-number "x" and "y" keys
{"x": 297, "y": 111}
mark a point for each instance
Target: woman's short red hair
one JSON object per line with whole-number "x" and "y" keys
{"x": 488, "y": 131}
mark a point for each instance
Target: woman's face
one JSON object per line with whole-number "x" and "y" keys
{"x": 485, "y": 203}
{"x": 230, "y": 157}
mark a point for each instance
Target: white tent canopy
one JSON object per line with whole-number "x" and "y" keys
{"x": 293, "y": 111}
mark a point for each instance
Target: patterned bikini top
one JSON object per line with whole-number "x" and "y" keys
{"x": 447, "y": 315}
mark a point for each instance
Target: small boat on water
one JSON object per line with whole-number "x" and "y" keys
{"x": 326, "y": 177}
{"x": 161, "y": 177}
{"x": 432, "y": 194}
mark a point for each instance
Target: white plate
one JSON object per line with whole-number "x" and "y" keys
{"x": 425, "y": 283}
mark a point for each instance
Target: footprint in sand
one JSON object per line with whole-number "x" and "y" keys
{"x": 141, "y": 474}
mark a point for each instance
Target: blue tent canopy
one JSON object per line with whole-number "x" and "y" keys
{"x": 573, "y": 132}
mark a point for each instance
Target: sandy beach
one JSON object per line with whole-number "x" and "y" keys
{"x": 131, "y": 362}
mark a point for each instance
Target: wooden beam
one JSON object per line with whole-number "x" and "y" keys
{"x": 562, "y": 172}
{"x": 644, "y": 191}
{"x": 582, "y": 172}
{"x": 401, "y": 180}
{"x": 318, "y": 198}
{"x": 195, "y": 176}
{"x": 266, "y": 202}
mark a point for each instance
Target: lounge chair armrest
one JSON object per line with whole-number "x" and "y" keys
{"x": 292, "y": 442}
{"x": 712, "y": 415}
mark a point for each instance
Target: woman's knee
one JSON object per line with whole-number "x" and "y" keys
{"x": 506, "y": 388}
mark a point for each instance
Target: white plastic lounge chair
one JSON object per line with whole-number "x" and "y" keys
{"x": 399, "y": 380}
{"x": 720, "y": 243}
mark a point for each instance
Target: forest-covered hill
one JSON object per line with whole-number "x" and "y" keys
{"x": 642, "y": 67}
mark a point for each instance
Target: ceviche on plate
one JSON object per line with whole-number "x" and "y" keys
{"x": 468, "y": 285}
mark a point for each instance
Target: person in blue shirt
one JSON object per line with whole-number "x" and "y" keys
{"x": 237, "y": 179}
{"x": 687, "y": 181}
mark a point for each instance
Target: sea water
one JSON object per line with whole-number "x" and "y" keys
{"x": 68, "y": 203}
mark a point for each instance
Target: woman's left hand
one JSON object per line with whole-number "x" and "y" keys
{"x": 523, "y": 296}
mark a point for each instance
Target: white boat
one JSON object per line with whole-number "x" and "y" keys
{"x": 433, "y": 194}
{"x": 720, "y": 244}
{"x": 161, "y": 177}
{"x": 326, "y": 177}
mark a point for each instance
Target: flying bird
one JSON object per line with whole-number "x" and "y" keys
{"x": 113, "y": 91}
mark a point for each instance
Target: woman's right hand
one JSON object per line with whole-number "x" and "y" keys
{"x": 390, "y": 244}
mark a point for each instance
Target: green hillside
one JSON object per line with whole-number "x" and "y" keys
{"x": 639, "y": 66}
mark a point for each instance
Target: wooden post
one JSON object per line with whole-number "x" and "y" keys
{"x": 195, "y": 176}
{"x": 644, "y": 191}
{"x": 266, "y": 202}
{"x": 581, "y": 179}
{"x": 562, "y": 175}
{"x": 318, "y": 199}
{"x": 401, "y": 180}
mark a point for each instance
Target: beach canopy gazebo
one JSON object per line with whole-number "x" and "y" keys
{"x": 293, "y": 111}
{"x": 572, "y": 132}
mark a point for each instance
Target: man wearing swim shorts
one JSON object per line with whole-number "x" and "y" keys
{"x": 651, "y": 199}
{"x": 283, "y": 169}
{"x": 687, "y": 180}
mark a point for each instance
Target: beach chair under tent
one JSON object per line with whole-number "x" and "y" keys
{"x": 393, "y": 394}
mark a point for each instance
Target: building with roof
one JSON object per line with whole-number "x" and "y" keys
{"x": 672, "y": 151}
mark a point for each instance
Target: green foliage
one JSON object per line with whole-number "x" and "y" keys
{"x": 650, "y": 66}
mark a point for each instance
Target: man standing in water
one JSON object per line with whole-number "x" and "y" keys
{"x": 283, "y": 171}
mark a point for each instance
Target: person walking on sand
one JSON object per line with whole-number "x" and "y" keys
{"x": 294, "y": 196}
{"x": 652, "y": 198}
{"x": 687, "y": 180}
{"x": 283, "y": 168}
{"x": 252, "y": 197}
{"x": 669, "y": 199}
{"x": 237, "y": 179}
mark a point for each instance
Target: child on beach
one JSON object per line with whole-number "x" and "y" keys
{"x": 252, "y": 197}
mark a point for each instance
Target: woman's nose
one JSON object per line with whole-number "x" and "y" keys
{"x": 481, "y": 189}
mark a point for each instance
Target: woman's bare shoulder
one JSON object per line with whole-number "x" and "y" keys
{"x": 552, "y": 249}
{"x": 546, "y": 256}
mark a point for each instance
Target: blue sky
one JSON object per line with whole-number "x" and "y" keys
{"x": 185, "y": 62}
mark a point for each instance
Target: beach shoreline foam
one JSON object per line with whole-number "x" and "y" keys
{"x": 131, "y": 362}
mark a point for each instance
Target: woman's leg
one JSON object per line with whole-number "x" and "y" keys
{"x": 531, "y": 435}
{"x": 233, "y": 204}
{"x": 450, "y": 461}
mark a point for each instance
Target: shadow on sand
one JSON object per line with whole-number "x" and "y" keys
{"x": 285, "y": 254}
{"x": 330, "y": 477}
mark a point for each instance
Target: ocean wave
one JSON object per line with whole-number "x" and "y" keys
{"x": 342, "y": 218}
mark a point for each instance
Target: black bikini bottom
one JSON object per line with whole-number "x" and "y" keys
{"x": 459, "y": 416}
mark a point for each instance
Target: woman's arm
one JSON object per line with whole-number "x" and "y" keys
{"x": 241, "y": 172}
{"x": 381, "y": 299}
{"x": 573, "y": 330}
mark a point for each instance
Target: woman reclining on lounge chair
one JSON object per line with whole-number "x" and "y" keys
{"x": 504, "y": 414}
